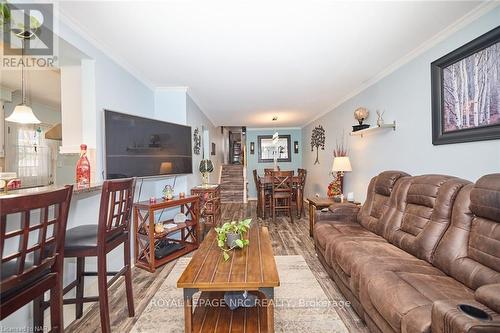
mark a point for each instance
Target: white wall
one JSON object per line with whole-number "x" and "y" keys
{"x": 405, "y": 95}
{"x": 197, "y": 119}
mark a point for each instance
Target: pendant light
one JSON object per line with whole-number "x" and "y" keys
{"x": 22, "y": 113}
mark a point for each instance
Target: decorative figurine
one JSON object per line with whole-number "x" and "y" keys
{"x": 380, "y": 120}
{"x": 168, "y": 192}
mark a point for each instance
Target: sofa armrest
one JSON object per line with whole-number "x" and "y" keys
{"x": 339, "y": 212}
{"x": 447, "y": 317}
{"x": 489, "y": 295}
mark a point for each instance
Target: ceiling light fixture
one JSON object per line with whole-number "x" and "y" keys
{"x": 22, "y": 113}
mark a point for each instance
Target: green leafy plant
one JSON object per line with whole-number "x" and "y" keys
{"x": 234, "y": 227}
{"x": 4, "y": 13}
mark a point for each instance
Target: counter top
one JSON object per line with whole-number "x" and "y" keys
{"x": 41, "y": 189}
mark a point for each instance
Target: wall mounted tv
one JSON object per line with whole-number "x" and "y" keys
{"x": 142, "y": 147}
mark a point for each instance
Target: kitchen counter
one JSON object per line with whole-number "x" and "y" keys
{"x": 95, "y": 187}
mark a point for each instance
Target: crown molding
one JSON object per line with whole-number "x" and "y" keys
{"x": 174, "y": 88}
{"x": 65, "y": 18}
{"x": 272, "y": 128}
{"x": 462, "y": 22}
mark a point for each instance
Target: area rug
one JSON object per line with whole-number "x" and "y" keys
{"x": 300, "y": 303}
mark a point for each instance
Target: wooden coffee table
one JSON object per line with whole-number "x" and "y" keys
{"x": 252, "y": 268}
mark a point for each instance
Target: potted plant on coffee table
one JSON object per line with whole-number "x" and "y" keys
{"x": 230, "y": 236}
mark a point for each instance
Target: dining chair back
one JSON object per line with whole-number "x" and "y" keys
{"x": 32, "y": 235}
{"x": 269, "y": 171}
{"x": 282, "y": 191}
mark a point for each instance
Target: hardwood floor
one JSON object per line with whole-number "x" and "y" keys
{"x": 287, "y": 239}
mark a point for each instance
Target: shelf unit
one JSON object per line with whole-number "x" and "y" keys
{"x": 146, "y": 238}
{"x": 374, "y": 129}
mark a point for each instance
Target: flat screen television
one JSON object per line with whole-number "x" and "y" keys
{"x": 142, "y": 147}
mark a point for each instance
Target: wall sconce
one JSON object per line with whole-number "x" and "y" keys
{"x": 252, "y": 148}
{"x": 296, "y": 147}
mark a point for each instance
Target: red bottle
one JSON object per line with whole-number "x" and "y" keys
{"x": 83, "y": 169}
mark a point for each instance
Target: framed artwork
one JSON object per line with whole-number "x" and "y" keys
{"x": 267, "y": 150}
{"x": 465, "y": 92}
{"x": 213, "y": 149}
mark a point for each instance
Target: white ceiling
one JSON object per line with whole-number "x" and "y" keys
{"x": 245, "y": 61}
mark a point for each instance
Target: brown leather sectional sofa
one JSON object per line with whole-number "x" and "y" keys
{"x": 418, "y": 248}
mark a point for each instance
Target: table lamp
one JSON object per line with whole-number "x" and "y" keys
{"x": 341, "y": 164}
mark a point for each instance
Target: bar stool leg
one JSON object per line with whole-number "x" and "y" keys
{"x": 38, "y": 314}
{"x": 103, "y": 292}
{"x": 128, "y": 279}
{"x": 80, "y": 268}
{"x": 56, "y": 305}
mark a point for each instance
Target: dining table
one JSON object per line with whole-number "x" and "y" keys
{"x": 266, "y": 182}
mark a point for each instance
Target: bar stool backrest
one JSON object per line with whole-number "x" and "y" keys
{"x": 117, "y": 199}
{"x": 32, "y": 239}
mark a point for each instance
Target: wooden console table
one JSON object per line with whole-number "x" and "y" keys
{"x": 209, "y": 203}
{"x": 146, "y": 238}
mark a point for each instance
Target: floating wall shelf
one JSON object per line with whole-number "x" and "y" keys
{"x": 374, "y": 129}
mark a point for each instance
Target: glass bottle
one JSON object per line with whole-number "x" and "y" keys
{"x": 83, "y": 169}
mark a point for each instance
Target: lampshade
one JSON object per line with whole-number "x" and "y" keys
{"x": 341, "y": 163}
{"x": 23, "y": 114}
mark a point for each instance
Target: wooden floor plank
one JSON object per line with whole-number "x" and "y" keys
{"x": 287, "y": 238}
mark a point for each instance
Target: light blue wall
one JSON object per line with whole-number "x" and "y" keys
{"x": 405, "y": 95}
{"x": 252, "y": 160}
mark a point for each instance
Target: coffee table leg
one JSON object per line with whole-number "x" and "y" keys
{"x": 188, "y": 309}
{"x": 269, "y": 293}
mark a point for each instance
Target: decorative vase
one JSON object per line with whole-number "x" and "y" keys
{"x": 204, "y": 179}
{"x": 83, "y": 169}
{"x": 231, "y": 238}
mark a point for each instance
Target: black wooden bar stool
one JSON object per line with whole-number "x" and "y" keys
{"x": 97, "y": 240}
{"x": 32, "y": 252}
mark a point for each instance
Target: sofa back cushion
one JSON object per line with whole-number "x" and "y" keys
{"x": 423, "y": 213}
{"x": 470, "y": 248}
{"x": 377, "y": 200}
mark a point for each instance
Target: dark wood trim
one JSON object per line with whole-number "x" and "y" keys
{"x": 466, "y": 135}
{"x": 288, "y": 138}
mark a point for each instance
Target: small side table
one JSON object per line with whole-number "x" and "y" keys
{"x": 316, "y": 204}
{"x": 210, "y": 209}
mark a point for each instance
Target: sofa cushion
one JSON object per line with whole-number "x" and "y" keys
{"x": 364, "y": 269}
{"x": 377, "y": 200}
{"x": 327, "y": 231}
{"x": 426, "y": 214}
{"x": 346, "y": 252}
{"x": 405, "y": 299}
{"x": 470, "y": 248}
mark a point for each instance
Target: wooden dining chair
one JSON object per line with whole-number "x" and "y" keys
{"x": 269, "y": 171}
{"x": 302, "y": 173}
{"x": 262, "y": 206}
{"x": 97, "y": 240}
{"x": 32, "y": 233}
{"x": 282, "y": 192}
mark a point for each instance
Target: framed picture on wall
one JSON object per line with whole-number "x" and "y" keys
{"x": 465, "y": 92}
{"x": 213, "y": 149}
{"x": 267, "y": 150}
